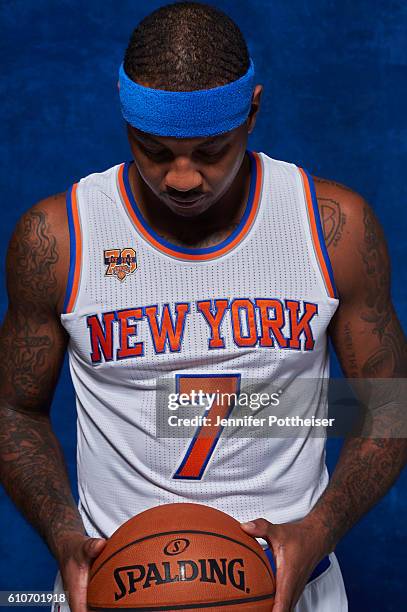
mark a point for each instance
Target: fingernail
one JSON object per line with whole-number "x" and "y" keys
{"x": 250, "y": 524}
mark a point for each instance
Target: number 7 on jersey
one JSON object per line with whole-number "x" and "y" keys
{"x": 225, "y": 389}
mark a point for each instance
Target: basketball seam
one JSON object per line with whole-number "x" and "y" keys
{"x": 212, "y": 604}
{"x": 183, "y": 531}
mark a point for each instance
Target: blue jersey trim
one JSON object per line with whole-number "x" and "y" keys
{"x": 320, "y": 232}
{"x": 318, "y": 570}
{"x": 189, "y": 250}
{"x": 72, "y": 248}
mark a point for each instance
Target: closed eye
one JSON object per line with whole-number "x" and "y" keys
{"x": 212, "y": 155}
{"x": 155, "y": 153}
{"x": 207, "y": 155}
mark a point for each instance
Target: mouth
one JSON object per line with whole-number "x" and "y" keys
{"x": 185, "y": 202}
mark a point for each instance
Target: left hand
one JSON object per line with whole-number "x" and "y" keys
{"x": 297, "y": 548}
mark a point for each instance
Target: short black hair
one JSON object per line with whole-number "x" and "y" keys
{"x": 186, "y": 46}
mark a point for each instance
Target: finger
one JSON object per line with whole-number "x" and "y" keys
{"x": 260, "y": 528}
{"x": 289, "y": 584}
{"x": 284, "y": 594}
{"x": 78, "y": 593}
{"x": 92, "y": 547}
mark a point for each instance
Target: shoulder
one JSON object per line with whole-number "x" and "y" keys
{"x": 49, "y": 213}
{"x": 38, "y": 254}
{"x": 338, "y": 206}
{"x": 352, "y": 232}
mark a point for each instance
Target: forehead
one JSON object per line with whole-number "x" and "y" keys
{"x": 169, "y": 142}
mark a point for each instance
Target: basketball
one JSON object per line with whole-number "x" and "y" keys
{"x": 181, "y": 557}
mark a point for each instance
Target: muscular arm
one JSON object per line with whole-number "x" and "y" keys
{"x": 370, "y": 345}
{"x": 369, "y": 342}
{"x": 32, "y": 347}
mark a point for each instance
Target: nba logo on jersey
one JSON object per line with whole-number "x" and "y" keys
{"x": 120, "y": 262}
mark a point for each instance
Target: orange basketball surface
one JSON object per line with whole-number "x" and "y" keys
{"x": 181, "y": 557}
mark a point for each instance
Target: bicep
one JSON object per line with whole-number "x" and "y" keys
{"x": 31, "y": 355}
{"x": 365, "y": 330}
{"x": 32, "y": 339}
{"x": 366, "y": 349}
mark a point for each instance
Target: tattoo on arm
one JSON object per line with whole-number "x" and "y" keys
{"x": 33, "y": 472}
{"x": 349, "y": 348}
{"x": 390, "y": 357}
{"x": 367, "y": 468}
{"x": 375, "y": 314}
{"x": 33, "y": 257}
{"x": 333, "y": 220}
{"x": 32, "y": 345}
{"x": 27, "y": 345}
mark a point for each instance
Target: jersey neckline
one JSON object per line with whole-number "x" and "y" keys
{"x": 190, "y": 253}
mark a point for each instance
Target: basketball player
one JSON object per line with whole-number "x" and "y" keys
{"x": 196, "y": 259}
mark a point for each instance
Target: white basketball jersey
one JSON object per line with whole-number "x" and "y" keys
{"x": 147, "y": 318}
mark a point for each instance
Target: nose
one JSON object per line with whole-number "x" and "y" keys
{"x": 183, "y": 176}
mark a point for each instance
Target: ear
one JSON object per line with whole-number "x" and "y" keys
{"x": 256, "y": 99}
{"x": 118, "y": 84}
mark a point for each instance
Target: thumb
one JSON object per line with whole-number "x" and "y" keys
{"x": 93, "y": 547}
{"x": 259, "y": 528}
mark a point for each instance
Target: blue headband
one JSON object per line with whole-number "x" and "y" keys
{"x": 186, "y": 114}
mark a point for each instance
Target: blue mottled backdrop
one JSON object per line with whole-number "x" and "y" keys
{"x": 335, "y": 77}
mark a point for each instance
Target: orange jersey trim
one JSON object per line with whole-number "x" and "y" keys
{"x": 188, "y": 254}
{"x": 317, "y": 236}
{"x": 75, "y": 248}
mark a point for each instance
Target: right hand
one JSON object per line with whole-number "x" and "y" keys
{"x": 78, "y": 553}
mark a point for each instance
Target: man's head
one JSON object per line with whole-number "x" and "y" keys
{"x": 190, "y": 47}
{"x": 186, "y": 46}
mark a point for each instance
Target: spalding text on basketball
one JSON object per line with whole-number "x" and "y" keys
{"x": 130, "y": 578}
